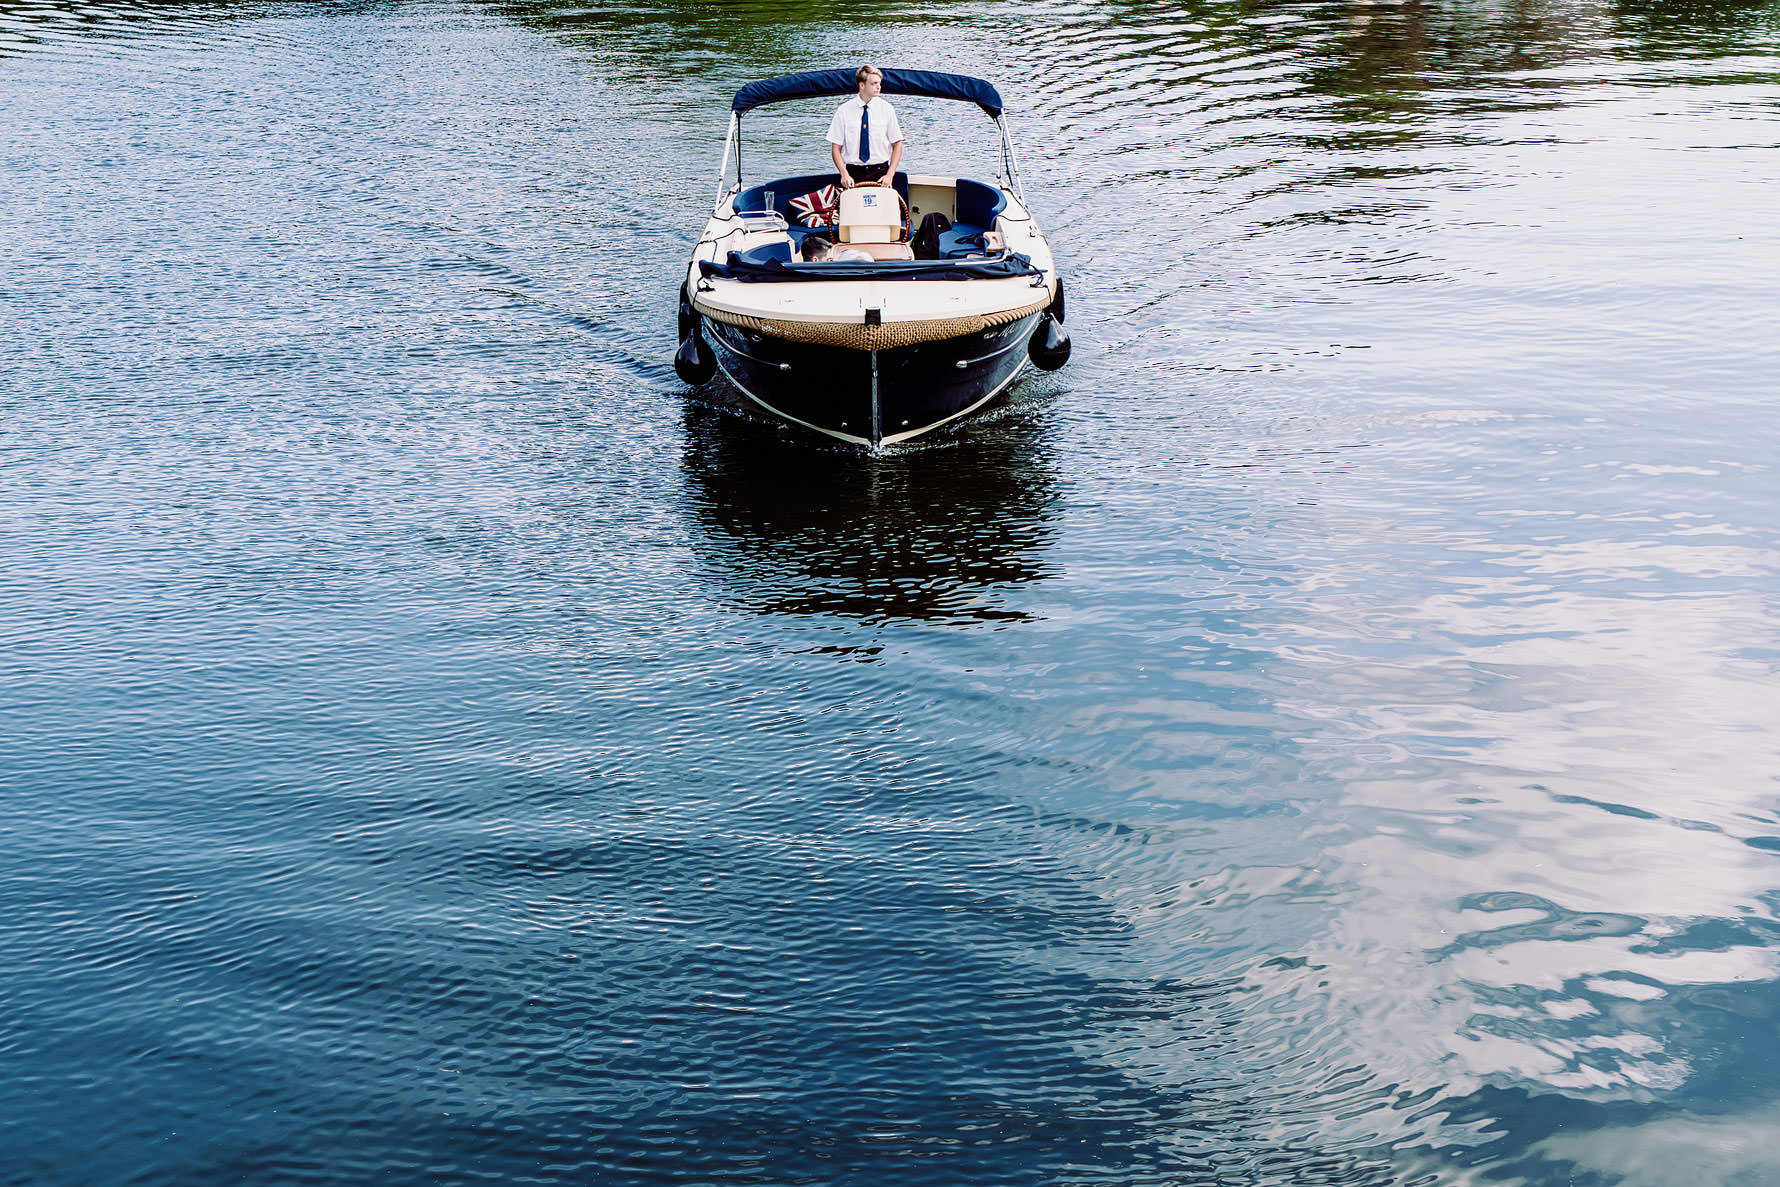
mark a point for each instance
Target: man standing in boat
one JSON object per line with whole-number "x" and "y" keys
{"x": 864, "y": 136}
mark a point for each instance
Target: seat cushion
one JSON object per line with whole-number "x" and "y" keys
{"x": 885, "y": 251}
{"x": 763, "y": 253}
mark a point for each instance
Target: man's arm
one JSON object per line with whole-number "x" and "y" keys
{"x": 837, "y": 139}
{"x": 895, "y": 137}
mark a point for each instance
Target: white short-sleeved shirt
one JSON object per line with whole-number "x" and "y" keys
{"x": 843, "y": 130}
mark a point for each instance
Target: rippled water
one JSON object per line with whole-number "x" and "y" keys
{"x": 1322, "y": 736}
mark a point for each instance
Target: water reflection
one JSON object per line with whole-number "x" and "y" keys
{"x": 1357, "y": 75}
{"x": 681, "y": 37}
{"x": 938, "y": 532}
{"x": 1394, "y": 63}
{"x": 29, "y": 28}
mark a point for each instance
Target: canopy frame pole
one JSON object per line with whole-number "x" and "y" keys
{"x": 732, "y": 140}
{"x": 1010, "y": 168}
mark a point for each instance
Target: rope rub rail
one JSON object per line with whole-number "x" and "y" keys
{"x": 884, "y": 336}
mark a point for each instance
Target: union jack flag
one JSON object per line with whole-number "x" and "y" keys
{"x": 816, "y": 209}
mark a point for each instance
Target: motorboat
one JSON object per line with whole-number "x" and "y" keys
{"x": 880, "y": 350}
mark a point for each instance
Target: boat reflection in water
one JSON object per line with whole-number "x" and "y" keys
{"x": 935, "y": 533}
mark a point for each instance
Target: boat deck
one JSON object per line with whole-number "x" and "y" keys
{"x": 971, "y": 206}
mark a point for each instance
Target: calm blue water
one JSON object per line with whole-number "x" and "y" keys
{"x": 1322, "y": 736}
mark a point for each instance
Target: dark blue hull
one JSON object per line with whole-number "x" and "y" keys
{"x": 872, "y": 397}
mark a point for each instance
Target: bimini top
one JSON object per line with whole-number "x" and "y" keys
{"x": 813, "y": 83}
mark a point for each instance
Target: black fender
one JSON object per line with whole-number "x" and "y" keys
{"x": 1049, "y": 345}
{"x": 693, "y": 361}
{"x": 688, "y": 316}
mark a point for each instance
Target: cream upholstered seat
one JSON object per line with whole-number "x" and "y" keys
{"x": 869, "y": 214}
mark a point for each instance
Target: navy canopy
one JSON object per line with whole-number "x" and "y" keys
{"x": 814, "y": 83}
{"x": 999, "y": 268}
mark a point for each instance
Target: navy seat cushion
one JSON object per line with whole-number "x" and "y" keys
{"x": 962, "y": 240}
{"x": 978, "y": 204}
{"x": 780, "y": 251}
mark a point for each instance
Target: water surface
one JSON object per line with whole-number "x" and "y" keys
{"x": 1322, "y": 736}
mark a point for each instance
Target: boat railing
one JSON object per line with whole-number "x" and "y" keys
{"x": 762, "y": 222}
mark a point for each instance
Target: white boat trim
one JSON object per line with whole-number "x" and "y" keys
{"x": 786, "y": 416}
{"x": 963, "y": 412}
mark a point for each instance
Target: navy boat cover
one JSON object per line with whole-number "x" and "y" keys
{"x": 769, "y": 271}
{"x": 813, "y": 83}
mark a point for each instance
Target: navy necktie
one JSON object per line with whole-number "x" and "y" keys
{"x": 864, "y": 134}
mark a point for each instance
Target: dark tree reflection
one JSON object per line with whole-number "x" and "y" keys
{"x": 938, "y": 531}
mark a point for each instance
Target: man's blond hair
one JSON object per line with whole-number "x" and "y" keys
{"x": 865, "y": 72}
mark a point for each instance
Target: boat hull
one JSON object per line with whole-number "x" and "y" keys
{"x": 872, "y": 397}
